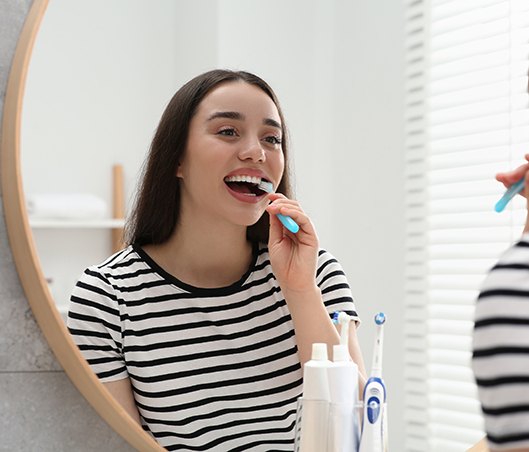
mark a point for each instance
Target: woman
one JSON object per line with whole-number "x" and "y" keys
{"x": 501, "y": 340}
{"x": 200, "y": 326}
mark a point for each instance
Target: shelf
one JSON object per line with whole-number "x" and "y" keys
{"x": 109, "y": 223}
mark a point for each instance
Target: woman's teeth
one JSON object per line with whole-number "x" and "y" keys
{"x": 248, "y": 179}
{"x": 249, "y": 185}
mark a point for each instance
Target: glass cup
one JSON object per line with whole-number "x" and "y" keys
{"x": 330, "y": 427}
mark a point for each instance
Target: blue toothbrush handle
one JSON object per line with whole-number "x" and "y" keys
{"x": 289, "y": 223}
{"x": 513, "y": 190}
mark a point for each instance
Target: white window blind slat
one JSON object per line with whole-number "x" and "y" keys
{"x": 454, "y": 297}
{"x": 459, "y": 220}
{"x": 462, "y": 111}
{"x": 471, "y": 64}
{"x": 465, "y": 281}
{"x": 467, "y": 189}
{"x": 466, "y": 13}
{"x": 470, "y": 157}
{"x": 455, "y": 388}
{"x": 465, "y": 204}
{"x": 477, "y": 172}
{"x": 470, "y": 235}
{"x": 467, "y": 250}
{"x": 464, "y": 405}
{"x": 463, "y": 437}
{"x": 467, "y": 50}
{"x": 450, "y": 343}
{"x": 467, "y": 80}
{"x": 482, "y": 140}
{"x": 449, "y": 35}
{"x": 480, "y": 91}
{"x": 448, "y": 418}
{"x": 441, "y": 310}
{"x": 470, "y": 127}
{"x": 456, "y": 327}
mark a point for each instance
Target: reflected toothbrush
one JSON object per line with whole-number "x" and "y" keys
{"x": 288, "y": 222}
{"x": 511, "y": 192}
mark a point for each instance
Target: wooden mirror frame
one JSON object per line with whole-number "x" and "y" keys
{"x": 26, "y": 258}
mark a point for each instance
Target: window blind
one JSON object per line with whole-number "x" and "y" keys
{"x": 475, "y": 123}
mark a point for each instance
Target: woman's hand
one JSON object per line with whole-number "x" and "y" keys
{"x": 510, "y": 177}
{"x": 293, "y": 257}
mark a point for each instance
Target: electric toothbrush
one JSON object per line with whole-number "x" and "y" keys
{"x": 288, "y": 222}
{"x": 373, "y": 430}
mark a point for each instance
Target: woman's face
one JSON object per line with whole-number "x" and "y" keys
{"x": 234, "y": 141}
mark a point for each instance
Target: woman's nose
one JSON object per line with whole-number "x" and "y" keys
{"x": 252, "y": 151}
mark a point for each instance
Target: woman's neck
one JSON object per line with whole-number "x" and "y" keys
{"x": 204, "y": 259}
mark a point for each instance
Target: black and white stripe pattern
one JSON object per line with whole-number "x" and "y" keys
{"x": 211, "y": 369}
{"x": 501, "y": 349}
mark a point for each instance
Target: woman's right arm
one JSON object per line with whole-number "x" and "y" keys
{"x": 121, "y": 390}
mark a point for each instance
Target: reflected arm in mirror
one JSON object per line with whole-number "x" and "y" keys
{"x": 121, "y": 390}
{"x": 356, "y": 355}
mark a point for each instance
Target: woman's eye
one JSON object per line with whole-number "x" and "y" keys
{"x": 228, "y": 132}
{"x": 273, "y": 140}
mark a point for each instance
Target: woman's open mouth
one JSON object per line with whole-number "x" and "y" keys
{"x": 246, "y": 188}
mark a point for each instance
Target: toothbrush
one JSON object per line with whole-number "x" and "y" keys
{"x": 288, "y": 222}
{"x": 511, "y": 192}
{"x": 373, "y": 428}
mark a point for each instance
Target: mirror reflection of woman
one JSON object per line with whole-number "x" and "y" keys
{"x": 201, "y": 326}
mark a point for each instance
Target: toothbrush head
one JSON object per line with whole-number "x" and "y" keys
{"x": 380, "y": 318}
{"x": 266, "y": 186}
{"x": 340, "y": 318}
{"x": 343, "y": 318}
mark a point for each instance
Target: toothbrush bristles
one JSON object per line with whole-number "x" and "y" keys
{"x": 266, "y": 186}
{"x": 380, "y": 318}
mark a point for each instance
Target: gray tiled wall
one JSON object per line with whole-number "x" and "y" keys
{"x": 40, "y": 409}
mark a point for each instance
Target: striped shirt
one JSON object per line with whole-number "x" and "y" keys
{"x": 211, "y": 369}
{"x": 501, "y": 349}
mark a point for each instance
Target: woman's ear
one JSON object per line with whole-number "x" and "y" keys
{"x": 179, "y": 171}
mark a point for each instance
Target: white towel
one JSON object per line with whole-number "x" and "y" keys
{"x": 71, "y": 206}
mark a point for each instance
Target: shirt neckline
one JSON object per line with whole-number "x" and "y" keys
{"x": 225, "y": 290}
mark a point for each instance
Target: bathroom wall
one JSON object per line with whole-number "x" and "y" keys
{"x": 338, "y": 180}
{"x": 39, "y": 408}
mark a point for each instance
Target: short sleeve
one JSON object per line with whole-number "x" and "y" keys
{"x": 94, "y": 323}
{"x": 334, "y": 287}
